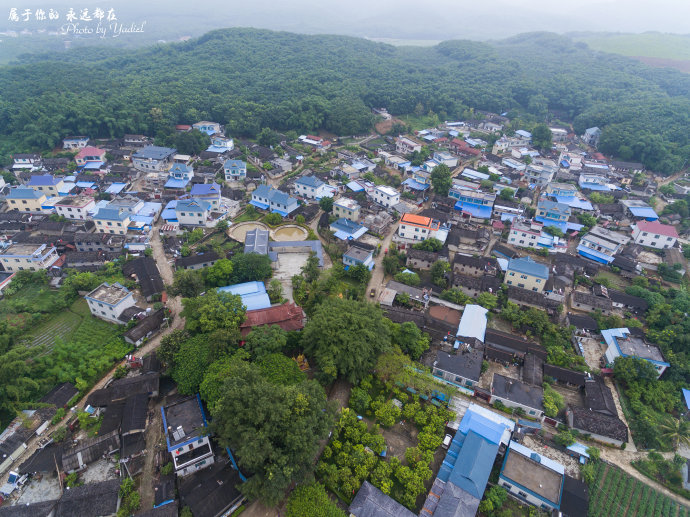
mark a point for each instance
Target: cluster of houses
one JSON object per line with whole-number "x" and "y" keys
{"x": 515, "y": 219}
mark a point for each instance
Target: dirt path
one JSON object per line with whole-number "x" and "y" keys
{"x": 154, "y": 438}
{"x": 378, "y": 274}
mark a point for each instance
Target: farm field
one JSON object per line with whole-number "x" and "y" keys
{"x": 616, "y": 494}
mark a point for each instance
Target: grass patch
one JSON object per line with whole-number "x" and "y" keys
{"x": 57, "y": 327}
{"x": 247, "y": 216}
{"x": 617, "y": 281}
{"x": 650, "y": 44}
{"x": 419, "y": 122}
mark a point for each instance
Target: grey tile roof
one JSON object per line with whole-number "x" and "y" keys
{"x": 517, "y": 391}
{"x": 371, "y": 502}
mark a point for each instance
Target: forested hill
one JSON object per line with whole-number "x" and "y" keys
{"x": 249, "y": 79}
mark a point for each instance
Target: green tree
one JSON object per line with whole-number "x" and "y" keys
{"x": 312, "y": 500}
{"x": 487, "y": 300}
{"x": 408, "y": 278}
{"x": 431, "y": 244}
{"x": 267, "y": 137}
{"x": 441, "y": 179}
{"x": 494, "y": 498}
{"x": 219, "y": 274}
{"x": 311, "y": 270}
{"x": 187, "y": 283}
{"x": 212, "y": 312}
{"x": 265, "y": 340}
{"x": 439, "y": 270}
{"x": 275, "y": 291}
{"x": 249, "y": 267}
{"x": 410, "y": 339}
{"x": 391, "y": 265}
{"x": 222, "y": 225}
{"x": 564, "y": 438}
{"x": 192, "y": 361}
{"x": 280, "y": 369}
{"x": 542, "y": 138}
{"x": 345, "y": 337}
{"x": 326, "y": 204}
{"x": 286, "y": 423}
{"x": 507, "y": 194}
{"x": 170, "y": 345}
{"x": 677, "y": 432}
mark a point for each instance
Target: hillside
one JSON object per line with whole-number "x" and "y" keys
{"x": 249, "y": 79}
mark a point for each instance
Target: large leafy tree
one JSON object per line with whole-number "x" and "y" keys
{"x": 219, "y": 274}
{"x": 345, "y": 337}
{"x": 441, "y": 179}
{"x": 213, "y": 311}
{"x": 265, "y": 340}
{"x": 312, "y": 500}
{"x": 542, "y": 138}
{"x": 187, "y": 283}
{"x": 192, "y": 361}
{"x": 248, "y": 267}
{"x": 273, "y": 429}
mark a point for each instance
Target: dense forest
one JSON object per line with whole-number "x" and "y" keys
{"x": 249, "y": 79}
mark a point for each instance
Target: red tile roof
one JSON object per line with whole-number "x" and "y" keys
{"x": 287, "y": 316}
{"x": 657, "y": 227}
{"x": 90, "y": 151}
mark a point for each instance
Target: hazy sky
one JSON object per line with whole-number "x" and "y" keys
{"x": 400, "y": 19}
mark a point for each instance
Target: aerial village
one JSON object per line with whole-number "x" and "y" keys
{"x": 527, "y": 264}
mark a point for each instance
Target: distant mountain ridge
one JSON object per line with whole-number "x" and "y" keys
{"x": 251, "y": 78}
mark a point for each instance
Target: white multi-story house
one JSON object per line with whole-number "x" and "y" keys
{"x": 184, "y": 426}
{"x": 621, "y": 343}
{"x": 417, "y": 227}
{"x": 347, "y": 208}
{"x": 28, "y": 257}
{"x": 385, "y": 195}
{"x": 311, "y": 187}
{"x": 192, "y": 212}
{"x": 654, "y": 234}
{"x": 75, "y": 207}
{"x": 404, "y": 145}
{"x": 525, "y": 234}
{"x": 207, "y": 127}
{"x": 235, "y": 170}
{"x": 75, "y": 142}
{"x": 153, "y": 158}
{"x": 109, "y": 301}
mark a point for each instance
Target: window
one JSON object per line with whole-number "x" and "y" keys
{"x": 507, "y": 486}
{"x": 522, "y": 494}
{"x": 534, "y": 289}
{"x": 539, "y": 280}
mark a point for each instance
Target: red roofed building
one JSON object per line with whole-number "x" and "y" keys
{"x": 654, "y": 234}
{"x": 288, "y": 316}
{"x": 90, "y": 154}
{"x": 462, "y": 147}
{"x": 183, "y": 128}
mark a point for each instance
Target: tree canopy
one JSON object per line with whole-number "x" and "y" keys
{"x": 345, "y": 337}
{"x": 643, "y": 112}
{"x": 285, "y": 424}
{"x": 213, "y": 311}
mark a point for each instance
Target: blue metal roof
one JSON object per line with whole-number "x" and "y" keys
{"x": 205, "y": 189}
{"x": 489, "y": 430}
{"x": 644, "y": 212}
{"x": 479, "y": 211}
{"x": 258, "y": 204}
{"x": 244, "y": 288}
{"x": 24, "y": 193}
{"x": 111, "y": 214}
{"x": 154, "y": 152}
{"x": 181, "y": 167}
{"x": 309, "y": 181}
{"x": 235, "y": 164}
{"x": 474, "y": 463}
{"x": 575, "y": 202}
{"x": 528, "y": 266}
{"x": 116, "y": 188}
{"x": 355, "y": 187}
{"x": 43, "y": 180}
{"x": 194, "y": 205}
{"x": 174, "y": 183}
{"x": 93, "y": 165}
{"x": 414, "y": 184}
{"x": 595, "y": 255}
